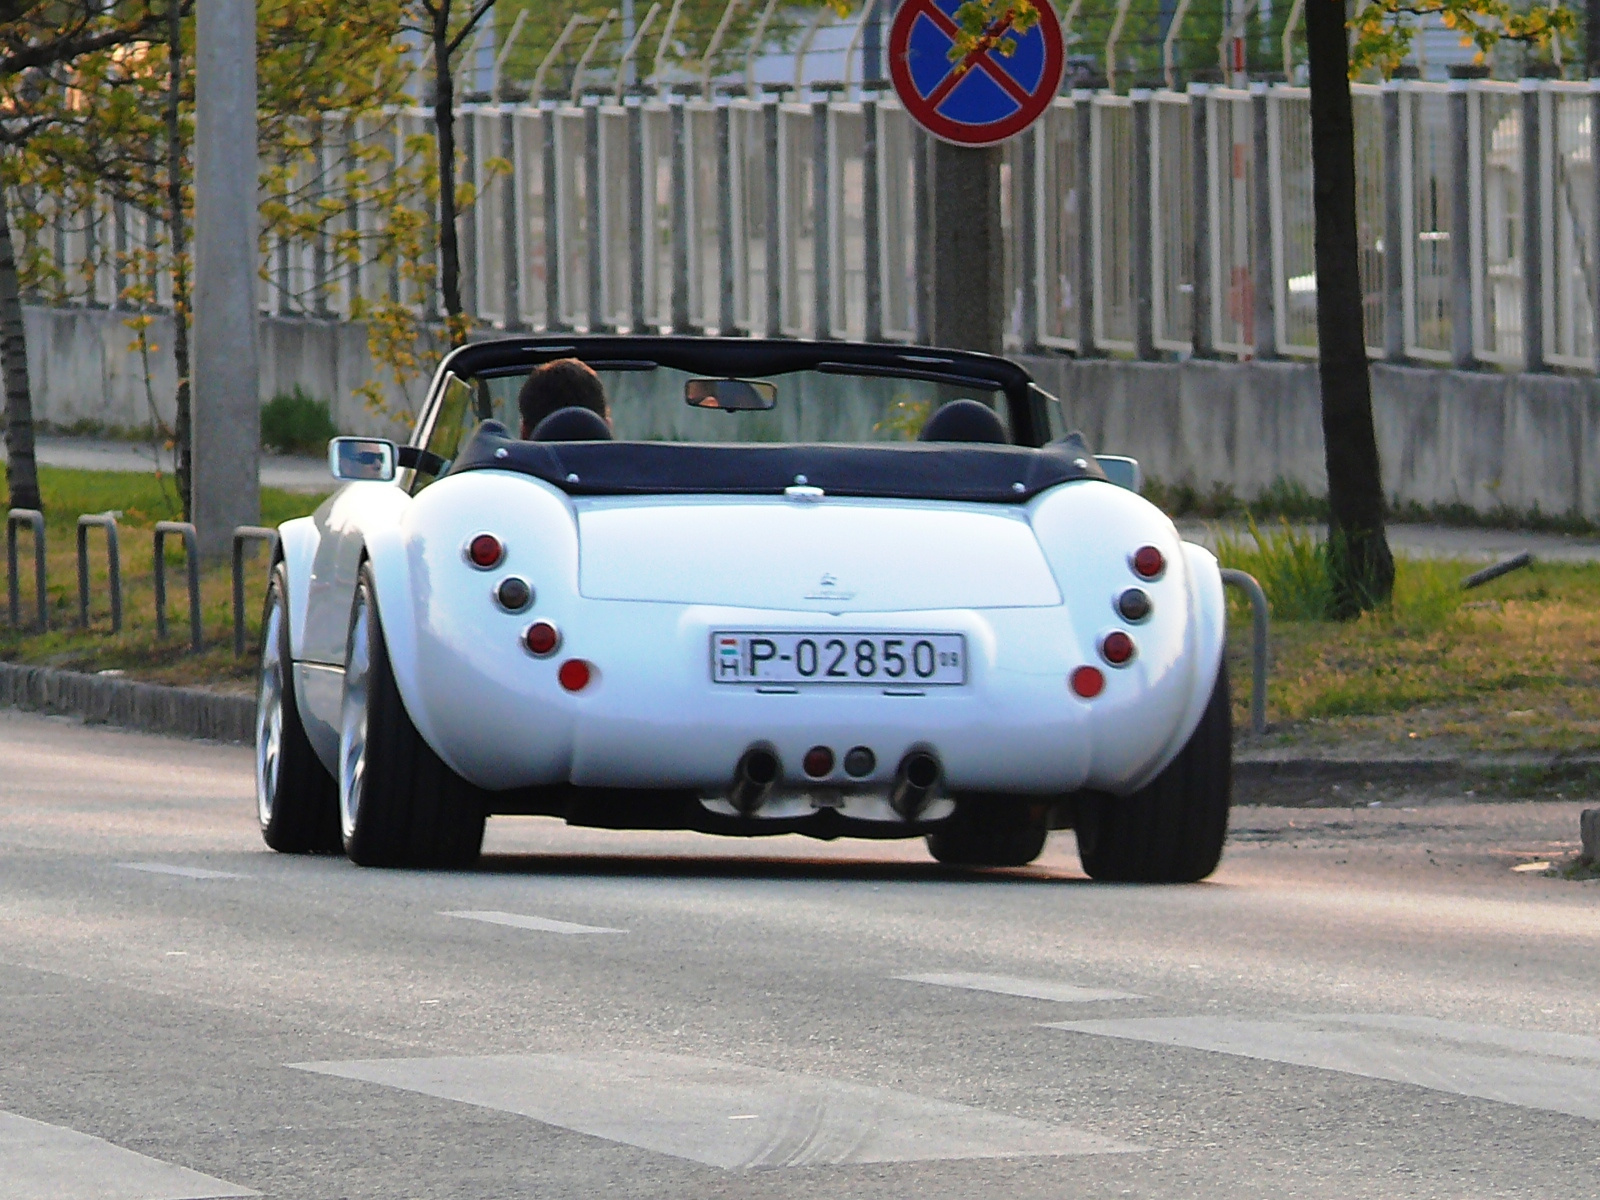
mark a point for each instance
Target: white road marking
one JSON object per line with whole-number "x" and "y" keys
{"x": 542, "y": 924}
{"x": 186, "y": 872}
{"x": 1032, "y": 989}
{"x": 49, "y": 1162}
{"x": 679, "y": 1106}
{"x": 1555, "y": 1072}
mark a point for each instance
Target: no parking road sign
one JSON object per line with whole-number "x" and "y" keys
{"x": 988, "y": 96}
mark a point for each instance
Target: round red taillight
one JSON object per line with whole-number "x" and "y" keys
{"x": 1148, "y": 562}
{"x": 485, "y": 551}
{"x": 542, "y": 638}
{"x": 1117, "y": 648}
{"x": 575, "y": 674}
{"x": 818, "y": 762}
{"x": 1088, "y": 682}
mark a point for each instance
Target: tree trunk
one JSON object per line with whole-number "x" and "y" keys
{"x": 21, "y": 468}
{"x": 1361, "y": 568}
{"x": 444, "y": 115}
{"x": 182, "y": 467}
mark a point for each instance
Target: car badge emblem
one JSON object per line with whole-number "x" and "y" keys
{"x": 828, "y": 589}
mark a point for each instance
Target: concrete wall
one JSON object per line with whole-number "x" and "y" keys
{"x": 1486, "y": 440}
{"x": 1482, "y": 439}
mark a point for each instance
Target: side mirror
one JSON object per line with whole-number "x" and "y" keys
{"x": 361, "y": 460}
{"x": 731, "y": 395}
{"x": 1122, "y": 471}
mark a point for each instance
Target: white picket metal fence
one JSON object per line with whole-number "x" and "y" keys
{"x": 1476, "y": 218}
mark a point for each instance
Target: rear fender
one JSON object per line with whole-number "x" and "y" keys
{"x": 297, "y": 548}
{"x": 1207, "y": 638}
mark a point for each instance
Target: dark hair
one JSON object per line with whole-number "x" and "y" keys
{"x": 564, "y": 383}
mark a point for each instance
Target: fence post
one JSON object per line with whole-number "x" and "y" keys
{"x": 511, "y": 225}
{"x": 113, "y": 564}
{"x": 552, "y": 221}
{"x": 775, "y": 234}
{"x": 34, "y": 519}
{"x": 680, "y": 220}
{"x": 1200, "y": 182}
{"x": 591, "y": 199}
{"x": 821, "y": 222}
{"x": 1143, "y": 233}
{"x": 1394, "y": 228}
{"x": 1265, "y": 276}
{"x": 638, "y": 244}
{"x": 727, "y": 320}
{"x": 1533, "y": 218}
{"x": 1594, "y": 157}
{"x": 1083, "y": 110}
{"x": 241, "y": 535}
{"x": 872, "y": 243}
{"x": 1461, "y": 232}
{"x": 186, "y": 531}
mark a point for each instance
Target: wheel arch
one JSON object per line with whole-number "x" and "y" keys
{"x": 297, "y": 549}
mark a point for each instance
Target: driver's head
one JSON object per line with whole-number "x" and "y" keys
{"x": 564, "y": 383}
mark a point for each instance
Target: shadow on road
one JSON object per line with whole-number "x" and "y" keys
{"x": 680, "y": 866}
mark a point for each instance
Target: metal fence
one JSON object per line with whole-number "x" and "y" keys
{"x": 1148, "y": 224}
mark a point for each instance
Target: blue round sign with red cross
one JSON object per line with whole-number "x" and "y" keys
{"x": 988, "y": 95}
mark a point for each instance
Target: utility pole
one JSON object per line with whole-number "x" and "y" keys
{"x": 969, "y": 302}
{"x": 227, "y": 408}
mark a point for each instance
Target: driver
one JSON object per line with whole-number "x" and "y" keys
{"x": 563, "y": 383}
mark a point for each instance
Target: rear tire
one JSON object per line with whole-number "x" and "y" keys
{"x": 1171, "y": 830}
{"x": 297, "y": 801}
{"x": 399, "y": 804}
{"x": 992, "y": 831}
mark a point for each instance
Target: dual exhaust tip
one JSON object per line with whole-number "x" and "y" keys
{"x": 758, "y": 771}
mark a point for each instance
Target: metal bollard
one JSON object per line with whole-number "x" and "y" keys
{"x": 241, "y": 535}
{"x": 33, "y": 518}
{"x": 192, "y": 553}
{"x": 108, "y": 522}
{"x": 1247, "y": 584}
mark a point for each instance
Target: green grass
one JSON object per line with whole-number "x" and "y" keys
{"x": 140, "y": 501}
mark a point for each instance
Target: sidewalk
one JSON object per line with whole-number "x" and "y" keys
{"x": 292, "y": 474}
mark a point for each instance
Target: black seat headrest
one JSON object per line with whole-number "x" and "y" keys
{"x": 572, "y": 425}
{"x": 964, "y": 421}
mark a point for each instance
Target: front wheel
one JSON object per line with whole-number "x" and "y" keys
{"x": 399, "y": 804}
{"x": 1172, "y": 829}
{"x": 296, "y": 800}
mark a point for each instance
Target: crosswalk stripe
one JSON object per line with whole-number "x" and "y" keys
{"x": 50, "y": 1162}
{"x": 1032, "y": 989}
{"x": 542, "y": 924}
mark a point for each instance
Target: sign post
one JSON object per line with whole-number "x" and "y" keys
{"x": 969, "y": 107}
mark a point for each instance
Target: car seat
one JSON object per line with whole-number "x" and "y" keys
{"x": 572, "y": 425}
{"x": 963, "y": 421}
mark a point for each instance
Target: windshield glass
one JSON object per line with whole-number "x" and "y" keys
{"x": 648, "y": 404}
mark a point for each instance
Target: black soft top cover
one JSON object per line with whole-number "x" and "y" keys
{"x": 912, "y": 471}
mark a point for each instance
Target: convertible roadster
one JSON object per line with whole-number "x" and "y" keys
{"x": 788, "y": 587}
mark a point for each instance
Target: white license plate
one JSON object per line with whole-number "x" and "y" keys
{"x": 888, "y": 659}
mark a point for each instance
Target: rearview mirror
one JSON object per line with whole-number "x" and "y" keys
{"x": 731, "y": 395}
{"x": 366, "y": 460}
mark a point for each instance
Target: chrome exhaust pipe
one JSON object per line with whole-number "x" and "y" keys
{"x": 753, "y": 780}
{"x": 913, "y": 784}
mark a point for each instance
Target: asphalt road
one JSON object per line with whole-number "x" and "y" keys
{"x": 1364, "y": 1002}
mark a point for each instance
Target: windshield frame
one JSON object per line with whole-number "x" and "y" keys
{"x": 752, "y": 357}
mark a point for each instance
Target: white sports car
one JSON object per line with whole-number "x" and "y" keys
{"x": 789, "y": 587}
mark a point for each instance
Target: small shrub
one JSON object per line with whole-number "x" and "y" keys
{"x": 1290, "y": 564}
{"x": 294, "y": 423}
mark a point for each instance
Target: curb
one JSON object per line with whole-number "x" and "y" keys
{"x": 1311, "y": 781}
{"x": 153, "y": 708}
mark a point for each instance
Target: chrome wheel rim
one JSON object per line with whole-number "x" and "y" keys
{"x": 353, "y": 720}
{"x": 269, "y": 713}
